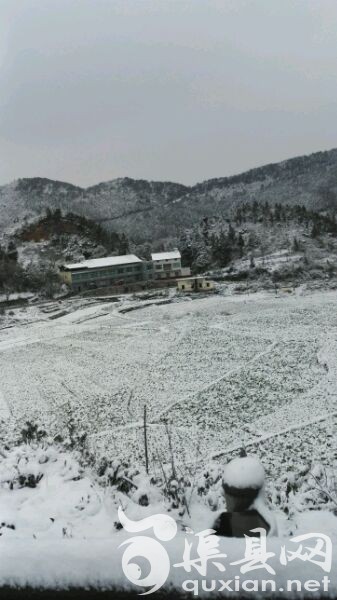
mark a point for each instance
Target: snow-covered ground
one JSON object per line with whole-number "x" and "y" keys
{"x": 271, "y": 262}
{"x": 227, "y": 370}
{"x": 62, "y": 530}
{"x": 218, "y": 373}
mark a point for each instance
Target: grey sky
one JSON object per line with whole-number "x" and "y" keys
{"x": 178, "y": 90}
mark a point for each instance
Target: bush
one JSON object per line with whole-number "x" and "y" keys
{"x": 32, "y": 433}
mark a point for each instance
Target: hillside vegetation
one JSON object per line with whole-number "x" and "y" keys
{"x": 30, "y": 260}
{"x": 256, "y": 231}
{"x": 160, "y": 211}
{"x": 227, "y": 224}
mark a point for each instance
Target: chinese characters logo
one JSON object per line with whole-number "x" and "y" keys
{"x": 149, "y": 551}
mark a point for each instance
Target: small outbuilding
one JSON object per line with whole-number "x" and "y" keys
{"x": 195, "y": 284}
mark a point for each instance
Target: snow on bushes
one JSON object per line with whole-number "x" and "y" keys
{"x": 50, "y": 490}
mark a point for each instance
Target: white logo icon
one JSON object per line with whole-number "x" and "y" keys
{"x": 143, "y": 547}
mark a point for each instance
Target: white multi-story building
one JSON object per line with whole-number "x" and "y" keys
{"x": 122, "y": 271}
{"x": 108, "y": 271}
{"x": 167, "y": 265}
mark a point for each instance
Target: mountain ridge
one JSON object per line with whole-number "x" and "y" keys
{"x": 160, "y": 210}
{"x": 226, "y": 178}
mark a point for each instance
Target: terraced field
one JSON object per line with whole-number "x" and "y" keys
{"x": 222, "y": 371}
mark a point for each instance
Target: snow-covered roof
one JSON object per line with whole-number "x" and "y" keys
{"x": 166, "y": 255}
{"x": 192, "y": 278}
{"x": 108, "y": 261}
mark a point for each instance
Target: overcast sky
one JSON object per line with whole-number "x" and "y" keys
{"x": 181, "y": 90}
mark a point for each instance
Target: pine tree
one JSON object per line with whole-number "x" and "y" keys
{"x": 205, "y": 229}
{"x": 222, "y": 250}
{"x": 231, "y": 234}
{"x": 57, "y": 214}
{"x": 296, "y": 245}
{"x": 12, "y": 252}
{"x": 255, "y": 210}
{"x": 185, "y": 247}
{"x": 316, "y": 230}
{"x": 124, "y": 247}
{"x": 241, "y": 244}
{"x": 238, "y": 216}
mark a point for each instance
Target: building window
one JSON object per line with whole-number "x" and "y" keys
{"x": 182, "y": 287}
{"x": 207, "y": 284}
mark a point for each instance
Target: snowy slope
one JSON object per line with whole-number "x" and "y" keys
{"x": 156, "y": 210}
{"x": 224, "y": 371}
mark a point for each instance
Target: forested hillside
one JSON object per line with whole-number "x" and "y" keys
{"x": 157, "y": 212}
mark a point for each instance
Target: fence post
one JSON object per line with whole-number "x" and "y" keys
{"x": 145, "y": 443}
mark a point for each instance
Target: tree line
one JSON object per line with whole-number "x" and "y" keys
{"x": 217, "y": 241}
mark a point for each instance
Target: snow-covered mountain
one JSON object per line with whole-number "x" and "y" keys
{"x": 116, "y": 200}
{"x": 148, "y": 210}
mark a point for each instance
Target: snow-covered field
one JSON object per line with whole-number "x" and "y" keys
{"x": 218, "y": 373}
{"x": 223, "y": 371}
